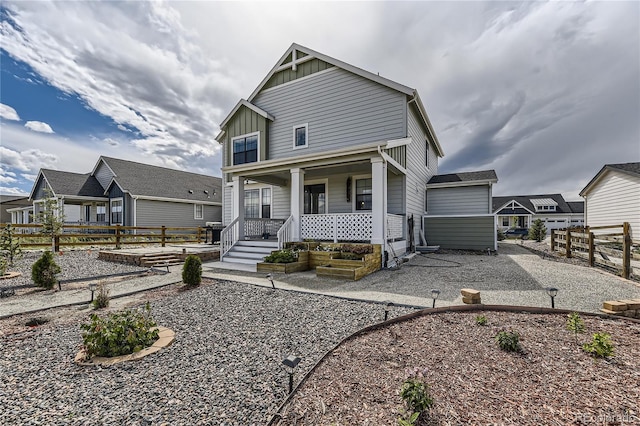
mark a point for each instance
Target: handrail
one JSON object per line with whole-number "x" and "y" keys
{"x": 284, "y": 233}
{"x": 228, "y": 237}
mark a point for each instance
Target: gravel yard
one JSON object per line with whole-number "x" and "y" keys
{"x": 223, "y": 368}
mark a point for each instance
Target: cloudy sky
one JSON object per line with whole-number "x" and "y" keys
{"x": 544, "y": 93}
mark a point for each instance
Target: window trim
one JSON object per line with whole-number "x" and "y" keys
{"x": 306, "y": 135}
{"x": 260, "y": 204}
{"x": 195, "y": 211}
{"x": 111, "y": 201}
{"x": 246, "y": 135}
{"x": 355, "y": 179}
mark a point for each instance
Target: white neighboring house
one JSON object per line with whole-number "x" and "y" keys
{"x": 520, "y": 211}
{"x": 613, "y": 197}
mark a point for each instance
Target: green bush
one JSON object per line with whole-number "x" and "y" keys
{"x": 192, "y": 271}
{"x": 575, "y": 324}
{"x": 481, "y": 320}
{"x": 417, "y": 399}
{"x": 281, "y": 256}
{"x": 120, "y": 333}
{"x": 10, "y": 244}
{"x": 537, "y": 232}
{"x": 600, "y": 346}
{"x": 3, "y": 266}
{"x": 43, "y": 272}
{"x": 500, "y": 235}
{"x": 508, "y": 341}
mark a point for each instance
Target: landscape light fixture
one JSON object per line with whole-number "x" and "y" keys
{"x": 552, "y": 292}
{"x": 270, "y": 278}
{"x": 434, "y": 295}
{"x": 290, "y": 363}
{"x": 387, "y": 308}
{"x": 92, "y": 288}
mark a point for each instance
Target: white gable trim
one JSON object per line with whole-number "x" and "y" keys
{"x": 102, "y": 160}
{"x": 251, "y": 106}
{"x": 515, "y": 202}
{"x": 32, "y": 193}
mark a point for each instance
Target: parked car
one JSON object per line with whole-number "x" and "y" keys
{"x": 517, "y": 233}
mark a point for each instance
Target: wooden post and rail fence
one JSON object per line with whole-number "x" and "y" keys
{"x": 596, "y": 247}
{"x": 31, "y": 236}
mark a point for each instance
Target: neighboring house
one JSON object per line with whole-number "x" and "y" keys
{"x": 327, "y": 151}
{"x": 131, "y": 194}
{"x": 15, "y": 209}
{"x": 613, "y": 197}
{"x": 520, "y": 211}
{"x": 459, "y": 212}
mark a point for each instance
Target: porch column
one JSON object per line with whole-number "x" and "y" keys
{"x": 238, "y": 204}
{"x": 378, "y": 200}
{"x": 297, "y": 201}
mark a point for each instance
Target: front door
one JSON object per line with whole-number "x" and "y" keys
{"x": 315, "y": 199}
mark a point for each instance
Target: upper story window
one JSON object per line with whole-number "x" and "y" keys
{"x": 546, "y": 208}
{"x": 301, "y": 136}
{"x": 245, "y": 149}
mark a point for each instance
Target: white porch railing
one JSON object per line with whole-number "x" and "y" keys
{"x": 337, "y": 227}
{"x": 257, "y": 228}
{"x": 395, "y": 227}
{"x": 285, "y": 231}
{"x": 229, "y": 236}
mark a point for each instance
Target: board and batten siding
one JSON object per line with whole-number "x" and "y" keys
{"x": 245, "y": 121}
{"x": 463, "y": 233}
{"x": 169, "y": 214}
{"x": 613, "y": 200}
{"x": 463, "y": 200}
{"x": 417, "y": 172}
{"x": 340, "y": 108}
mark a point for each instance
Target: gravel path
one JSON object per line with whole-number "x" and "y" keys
{"x": 223, "y": 368}
{"x": 74, "y": 264}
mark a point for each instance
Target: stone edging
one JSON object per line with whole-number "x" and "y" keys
{"x": 166, "y": 337}
{"x": 10, "y": 275}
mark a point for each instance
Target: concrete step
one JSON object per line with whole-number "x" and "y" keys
{"x": 235, "y": 259}
{"x": 253, "y": 249}
{"x": 248, "y": 255}
{"x": 258, "y": 243}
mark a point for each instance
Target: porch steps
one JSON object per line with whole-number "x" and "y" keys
{"x": 159, "y": 260}
{"x": 250, "y": 251}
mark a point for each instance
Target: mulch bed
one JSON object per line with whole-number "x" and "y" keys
{"x": 551, "y": 381}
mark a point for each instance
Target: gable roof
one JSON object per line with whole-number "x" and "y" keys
{"x": 482, "y": 177}
{"x": 145, "y": 180}
{"x": 632, "y": 169}
{"x": 249, "y": 105}
{"x": 69, "y": 184}
{"x": 529, "y": 201}
{"x": 311, "y": 54}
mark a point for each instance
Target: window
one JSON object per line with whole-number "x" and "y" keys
{"x": 198, "y": 211}
{"x": 116, "y": 212}
{"x": 363, "y": 194}
{"x": 101, "y": 212}
{"x": 245, "y": 149}
{"x": 505, "y": 221}
{"x": 300, "y": 139}
{"x": 252, "y": 203}
{"x": 266, "y": 203}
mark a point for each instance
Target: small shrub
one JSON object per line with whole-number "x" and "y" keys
{"x": 415, "y": 394}
{"x": 600, "y": 346}
{"x": 43, "y": 272}
{"x": 102, "y": 298}
{"x": 281, "y": 256}
{"x": 500, "y": 235}
{"x": 508, "y": 341}
{"x": 10, "y": 244}
{"x": 299, "y": 246}
{"x": 3, "y": 266}
{"x": 192, "y": 271}
{"x": 357, "y": 248}
{"x": 120, "y": 333}
{"x": 481, "y": 320}
{"x": 537, "y": 232}
{"x": 575, "y": 324}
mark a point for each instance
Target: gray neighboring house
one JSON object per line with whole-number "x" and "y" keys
{"x": 15, "y": 209}
{"x": 520, "y": 211}
{"x": 458, "y": 211}
{"x": 132, "y": 194}
{"x": 325, "y": 150}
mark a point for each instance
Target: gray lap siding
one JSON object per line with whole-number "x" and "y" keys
{"x": 471, "y": 233}
{"x": 159, "y": 213}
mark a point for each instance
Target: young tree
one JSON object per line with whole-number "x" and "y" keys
{"x": 50, "y": 217}
{"x": 537, "y": 231}
{"x": 9, "y": 244}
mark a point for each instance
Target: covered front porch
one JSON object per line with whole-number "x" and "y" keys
{"x": 353, "y": 198}
{"x": 79, "y": 210}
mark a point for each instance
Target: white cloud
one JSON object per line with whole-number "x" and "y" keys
{"x": 4, "y": 179}
{"x": 29, "y": 177}
{"x": 8, "y": 113}
{"x": 38, "y": 126}
{"x": 6, "y": 190}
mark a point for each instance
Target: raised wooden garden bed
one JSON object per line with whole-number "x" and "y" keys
{"x": 344, "y": 272}
{"x": 286, "y": 268}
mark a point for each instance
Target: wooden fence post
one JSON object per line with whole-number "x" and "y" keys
{"x": 626, "y": 251}
{"x": 568, "y": 244}
{"x": 164, "y": 234}
{"x": 553, "y": 240}
{"x": 592, "y": 248}
{"x": 199, "y": 234}
{"x": 56, "y": 243}
{"x": 117, "y": 236}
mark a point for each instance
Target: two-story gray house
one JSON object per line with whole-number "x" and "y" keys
{"x": 324, "y": 150}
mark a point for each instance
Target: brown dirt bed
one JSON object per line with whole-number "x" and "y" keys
{"x": 551, "y": 382}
